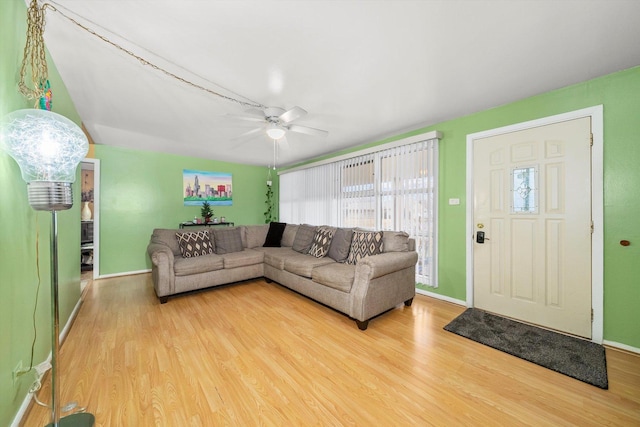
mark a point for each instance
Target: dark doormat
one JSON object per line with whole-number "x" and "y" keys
{"x": 577, "y": 358}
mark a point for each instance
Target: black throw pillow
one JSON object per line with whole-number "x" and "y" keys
{"x": 274, "y": 235}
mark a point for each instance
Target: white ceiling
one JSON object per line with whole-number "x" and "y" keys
{"x": 363, "y": 70}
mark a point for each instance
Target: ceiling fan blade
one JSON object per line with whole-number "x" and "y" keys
{"x": 307, "y": 130}
{"x": 292, "y": 114}
{"x": 245, "y": 118}
{"x": 247, "y": 134}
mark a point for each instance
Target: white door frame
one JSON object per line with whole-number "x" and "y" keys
{"x": 96, "y": 215}
{"x": 597, "y": 205}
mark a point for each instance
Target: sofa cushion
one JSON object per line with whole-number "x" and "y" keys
{"x": 275, "y": 257}
{"x": 274, "y": 235}
{"x": 228, "y": 240}
{"x": 255, "y": 235}
{"x": 243, "y": 258}
{"x": 289, "y": 235}
{"x": 303, "y": 265}
{"x": 321, "y": 241}
{"x": 364, "y": 244}
{"x": 340, "y": 244}
{"x": 395, "y": 241}
{"x": 304, "y": 238}
{"x": 195, "y": 265}
{"x": 336, "y": 276}
{"x": 194, "y": 243}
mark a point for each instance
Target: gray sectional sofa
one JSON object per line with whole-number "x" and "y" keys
{"x": 357, "y": 272}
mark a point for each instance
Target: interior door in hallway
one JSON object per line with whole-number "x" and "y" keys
{"x": 532, "y": 205}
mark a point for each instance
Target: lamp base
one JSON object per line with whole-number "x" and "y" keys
{"x": 79, "y": 419}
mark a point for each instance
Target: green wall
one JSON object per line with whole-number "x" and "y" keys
{"x": 142, "y": 190}
{"x": 620, "y": 94}
{"x": 21, "y": 227}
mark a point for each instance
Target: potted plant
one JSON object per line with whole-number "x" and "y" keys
{"x": 269, "y": 214}
{"x": 206, "y": 212}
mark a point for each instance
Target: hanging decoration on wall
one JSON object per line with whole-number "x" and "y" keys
{"x": 269, "y": 213}
{"x": 46, "y": 101}
{"x": 214, "y": 188}
{"x": 34, "y": 60}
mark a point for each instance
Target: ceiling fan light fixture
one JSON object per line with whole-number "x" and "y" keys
{"x": 275, "y": 131}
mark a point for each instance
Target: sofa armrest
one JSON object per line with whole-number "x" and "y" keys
{"x": 160, "y": 254}
{"x": 382, "y": 264}
{"x": 162, "y": 271}
{"x": 381, "y": 282}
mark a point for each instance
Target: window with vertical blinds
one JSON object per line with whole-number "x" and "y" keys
{"x": 393, "y": 188}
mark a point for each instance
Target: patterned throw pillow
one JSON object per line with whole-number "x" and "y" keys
{"x": 364, "y": 244}
{"x": 228, "y": 240}
{"x": 321, "y": 241}
{"x": 195, "y": 243}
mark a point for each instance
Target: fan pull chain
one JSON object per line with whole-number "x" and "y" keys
{"x": 275, "y": 148}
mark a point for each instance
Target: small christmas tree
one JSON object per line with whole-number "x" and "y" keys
{"x": 206, "y": 211}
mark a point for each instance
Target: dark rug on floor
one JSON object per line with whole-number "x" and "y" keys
{"x": 577, "y": 358}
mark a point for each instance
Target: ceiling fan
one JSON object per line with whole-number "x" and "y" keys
{"x": 276, "y": 122}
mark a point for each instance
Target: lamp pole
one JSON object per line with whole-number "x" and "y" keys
{"x": 79, "y": 419}
{"x": 55, "y": 321}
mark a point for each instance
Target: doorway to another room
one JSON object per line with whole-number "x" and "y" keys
{"x": 89, "y": 220}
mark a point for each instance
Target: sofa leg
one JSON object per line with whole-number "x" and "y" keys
{"x": 362, "y": 325}
{"x": 163, "y": 300}
{"x": 266, "y": 279}
{"x": 408, "y": 302}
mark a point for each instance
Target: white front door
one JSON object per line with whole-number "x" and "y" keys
{"x": 532, "y": 201}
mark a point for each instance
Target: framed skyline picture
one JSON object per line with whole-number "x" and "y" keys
{"x": 201, "y": 186}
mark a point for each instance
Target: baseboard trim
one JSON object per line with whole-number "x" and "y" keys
{"x": 441, "y": 297}
{"x": 125, "y": 273}
{"x": 26, "y": 403}
{"x": 621, "y": 346}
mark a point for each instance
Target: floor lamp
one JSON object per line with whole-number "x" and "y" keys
{"x": 48, "y": 148}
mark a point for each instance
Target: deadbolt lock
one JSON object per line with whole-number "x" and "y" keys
{"x": 480, "y": 225}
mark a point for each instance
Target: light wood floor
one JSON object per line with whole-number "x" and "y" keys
{"x": 259, "y": 354}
